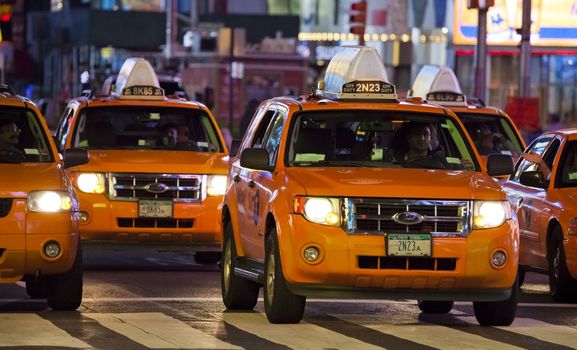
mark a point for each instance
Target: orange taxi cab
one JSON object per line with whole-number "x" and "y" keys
{"x": 157, "y": 168}
{"x": 350, "y": 193}
{"x": 543, "y": 192}
{"x": 491, "y": 129}
{"x": 39, "y": 239}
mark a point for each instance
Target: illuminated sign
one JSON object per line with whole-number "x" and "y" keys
{"x": 554, "y": 23}
{"x": 6, "y": 11}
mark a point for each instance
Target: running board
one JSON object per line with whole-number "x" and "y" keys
{"x": 250, "y": 269}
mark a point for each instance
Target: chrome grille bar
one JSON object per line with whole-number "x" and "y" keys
{"x": 136, "y": 186}
{"x": 374, "y": 216}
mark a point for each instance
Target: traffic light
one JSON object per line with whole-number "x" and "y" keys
{"x": 358, "y": 19}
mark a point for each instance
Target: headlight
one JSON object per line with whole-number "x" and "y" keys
{"x": 49, "y": 201}
{"x": 320, "y": 210}
{"x": 489, "y": 214}
{"x": 90, "y": 182}
{"x": 216, "y": 185}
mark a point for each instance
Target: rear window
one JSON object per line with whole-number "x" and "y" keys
{"x": 147, "y": 127}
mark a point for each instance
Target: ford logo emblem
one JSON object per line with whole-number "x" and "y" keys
{"x": 156, "y": 187}
{"x": 408, "y": 218}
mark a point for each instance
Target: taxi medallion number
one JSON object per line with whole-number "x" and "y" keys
{"x": 155, "y": 209}
{"x": 368, "y": 87}
{"x": 404, "y": 244}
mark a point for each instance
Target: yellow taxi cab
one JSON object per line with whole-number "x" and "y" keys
{"x": 348, "y": 192}
{"x": 39, "y": 239}
{"x": 491, "y": 129}
{"x": 543, "y": 192}
{"x": 157, "y": 166}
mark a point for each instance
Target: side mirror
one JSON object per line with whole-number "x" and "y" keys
{"x": 533, "y": 179}
{"x": 499, "y": 164}
{"x": 234, "y": 146}
{"x": 255, "y": 158}
{"x": 75, "y": 157}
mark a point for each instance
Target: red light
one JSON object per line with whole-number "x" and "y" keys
{"x": 5, "y": 17}
{"x": 359, "y": 6}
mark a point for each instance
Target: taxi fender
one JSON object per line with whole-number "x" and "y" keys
{"x": 233, "y": 217}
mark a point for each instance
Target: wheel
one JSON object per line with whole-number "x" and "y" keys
{"x": 237, "y": 292}
{"x": 207, "y": 258}
{"x": 36, "y": 287}
{"x": 498, "y": 313}
{"x": 435, "y": 307}
{"x": 561, "y": 284}
{"x": 521, "y": 277}
{"x": 280, "y": 305}
{"x": 64, "y": 292}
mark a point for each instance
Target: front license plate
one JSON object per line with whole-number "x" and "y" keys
{"x": 404, "y": 244}
{"x": 155, "y": 209}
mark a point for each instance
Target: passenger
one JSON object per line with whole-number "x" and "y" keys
{"x": 178, "y": 137}
{"x": 488, "y": 142}
{"x": 170, "y": 138}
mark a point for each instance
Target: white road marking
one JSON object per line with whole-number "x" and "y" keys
{"x": 159, "y": 331}
{"x": 548, "y": 332}
{"x": 297, "y": 336}
{"x": 436, "y": 336}
{"x": 32, "y": 330}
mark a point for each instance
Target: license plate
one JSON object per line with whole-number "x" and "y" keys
{"x": 155, "y": 209}
{"x": 404, "y": 244}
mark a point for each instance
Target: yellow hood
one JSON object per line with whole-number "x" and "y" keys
{"x": 17, "y": 180}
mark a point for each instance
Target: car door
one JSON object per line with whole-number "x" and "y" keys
{"x": 245, "y": 185}
{"x": 529, "y": 202}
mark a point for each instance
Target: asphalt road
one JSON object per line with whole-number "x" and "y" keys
{"x": 164, "y": 300}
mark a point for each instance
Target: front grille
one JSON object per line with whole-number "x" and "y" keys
{"x": 154, "y": 223}
{"x": 374, "y": 216}
{"x": 180, "y": 188}
{"x": 406, "y": 263}
{"x": 5, "y": 206}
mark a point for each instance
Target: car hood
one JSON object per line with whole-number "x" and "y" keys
{"x": 146, "y": 161}
{"x": 17, "y": 180}
{"x": 397, "y": 183}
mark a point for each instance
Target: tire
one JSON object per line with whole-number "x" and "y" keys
{"x": 435, "y": 307}
{"x": 64, "y": 292}
{"x": 36, "y": 287}
{"x": 280, "y": 305}
{"x": 498, "y": 313}
{"x": 237, "y": 292}
{"x": 207, "y": 258}
{"x": 561, "y": 284}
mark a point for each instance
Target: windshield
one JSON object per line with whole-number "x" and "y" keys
{"x": 492, "y": 134}
{"x": 378, "y": 139}
{"x": 567, "y": 170}
{"x": 146, "y": 127}
{"x": 22, "y": 137}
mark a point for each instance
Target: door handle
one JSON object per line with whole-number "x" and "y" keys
{"x": 236, "y": 178}
{"x": 251, "y": 184}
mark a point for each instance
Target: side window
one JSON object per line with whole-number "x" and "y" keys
{"x": 272, "y": 139}
{"x": 64, "y": 128}
{"x": 546, "y": 147}
{"x": 260, "y": 131}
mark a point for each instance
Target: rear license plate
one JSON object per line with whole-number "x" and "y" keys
{"x": 404, "y": 244}
{"x": 155, "y": 209}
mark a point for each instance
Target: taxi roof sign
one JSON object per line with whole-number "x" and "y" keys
{"x": 357, "y": 72}
{"x": 438, "y": 84}
{"x": 137, "y": 80}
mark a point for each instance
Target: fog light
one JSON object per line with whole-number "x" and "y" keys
{"x": 498, "y": 259}
{"x": 52, "y": 249}
{"x": 83, "y": 217}
{"x": 311, "y": 254}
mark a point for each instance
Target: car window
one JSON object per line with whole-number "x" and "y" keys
{"x": 538, "y": 147}
{"x": 272, "y": 139}
{"x": 64, "y": 128}
{"x": 492, "y": 134}
{"x": 22, "y": 137}
{"x": 567, "y": 169}
{"x": 261, "y": 129}
{"x": 379, "y": 139}
{"x": 148, "y": 127}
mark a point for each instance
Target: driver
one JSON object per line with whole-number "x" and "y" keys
{"x": 413, "y": 146}
{"x": 9, "y": 136}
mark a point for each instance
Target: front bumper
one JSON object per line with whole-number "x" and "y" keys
{"x": 191, "y": 224}
{"x": 459, "y": 268}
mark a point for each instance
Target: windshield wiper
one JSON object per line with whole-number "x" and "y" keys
{"x": 341, "y": 163}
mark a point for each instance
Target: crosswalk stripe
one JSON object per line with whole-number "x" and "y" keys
{"x": 561, "y": 335}
{"x": 32, "y": 330}
{"x": 297, "y": 336}
{"x": 158, "y": 331}
{"x": 436, "y": 336}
